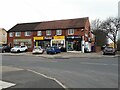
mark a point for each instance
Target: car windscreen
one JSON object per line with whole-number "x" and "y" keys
{"x": 109, "y": 48}
{"x": 37, "y": 48}
{"x": 17, "y": 47}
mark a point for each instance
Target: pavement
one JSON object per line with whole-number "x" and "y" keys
{"x": 62, "y": 55}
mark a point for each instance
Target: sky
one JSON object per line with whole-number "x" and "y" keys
{"x": 23, "y": 11}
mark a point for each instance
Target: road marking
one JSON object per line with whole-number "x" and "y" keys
{"x": 48, "y": 78}
{"x": 4, "y": 84}
{"x": 98, "y": 63}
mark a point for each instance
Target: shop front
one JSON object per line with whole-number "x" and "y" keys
{"x": 22, "y": 42}
{"x": 73, "y": 43}
{"x": 58, "y": 41}
{"x": 42, "y": 41}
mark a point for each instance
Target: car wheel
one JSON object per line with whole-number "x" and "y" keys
{"x": 26, "y": 50}
{"x": 3, "y": 51}
{"x": 18, "y": 51}
{"x": 47, "y": 52}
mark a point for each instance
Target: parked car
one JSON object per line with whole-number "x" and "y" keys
{"x": 109, "y": 50}
{"x": 4, "y": 49}
{"x": 38, "y": 50}
{"x": 53, "y": 50}
{"x": 1, "y": 49}
{"x": 19, "y": 49}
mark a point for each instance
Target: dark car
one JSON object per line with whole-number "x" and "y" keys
{"x": 4, "y": 49}
{"x": 109, "y": 50}
{"x": 53, "y": 50}
{"x": 1, "y": 49}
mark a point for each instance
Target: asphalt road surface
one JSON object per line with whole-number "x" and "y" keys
{"x": 93, "y": 72}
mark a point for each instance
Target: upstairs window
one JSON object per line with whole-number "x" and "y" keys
{"x": 70, "y": 31}
{"x": 39, "y": 33}
{"x": 48, "y": 32}
{"x": 17, "y": 34}
{"x": 28, "y": 33}
{"x": 58, "y": 32}
{"x": 11, "y": 34}
{"x": 4, "y": 35}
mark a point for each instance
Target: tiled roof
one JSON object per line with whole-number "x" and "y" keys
{"x": 57, "y": 24}
{"x": 24, "y": 27}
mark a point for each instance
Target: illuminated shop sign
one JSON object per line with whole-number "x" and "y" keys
{"x": 59, "y": 37}
{"x": 38, "y": 38}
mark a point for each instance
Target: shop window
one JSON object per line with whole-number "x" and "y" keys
{"x": 70, "y": 31}
{"x": 58, "y": 32}
{"x": 48, "y": 32}
{"x": 28, "y": 44}
{"x": 39, "y": 33}
{"x": 58, "y": 43}
{"x": 28, "y": 33}
{"x": 11, "y": 34}
{"x": 16, "y": 43}
{"x": 17, "y": 34}
{"x": 4, "y": 35}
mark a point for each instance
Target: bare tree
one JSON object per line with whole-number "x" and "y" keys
{"x": 111, "y": 26}
{"x": 95, "y": 24}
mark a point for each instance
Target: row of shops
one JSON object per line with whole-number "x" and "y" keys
{"x": 70, "y": 43}
{"x": 71, "y": 34}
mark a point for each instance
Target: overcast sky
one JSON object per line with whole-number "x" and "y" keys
{"x": 22, "y": 11}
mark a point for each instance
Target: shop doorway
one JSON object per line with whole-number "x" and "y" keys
{"x": 43, "y": 44}
{"x": 73, "y": 45}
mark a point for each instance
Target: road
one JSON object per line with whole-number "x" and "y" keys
{"x": 91, "y": 72}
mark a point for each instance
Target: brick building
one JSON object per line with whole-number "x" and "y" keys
{"x": 67, "y": 33}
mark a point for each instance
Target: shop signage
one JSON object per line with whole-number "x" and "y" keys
{"x": 38, "y": 38}
{"x": 47, "y": 37}
{"x": 59, "y": 37}
{"x": 72, "y": 37}
{"x": 22, "y": 40}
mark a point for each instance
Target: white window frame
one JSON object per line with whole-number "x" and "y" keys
{"x": 58, "y": 32}
{"x": 70, "y": 31}
{"x": 48, "y": 32}
{"x": 17, "y": 34}
{"x": 39, "y": 33}
{"x": 28, "y": 33}
{"x": 11, "y": 34}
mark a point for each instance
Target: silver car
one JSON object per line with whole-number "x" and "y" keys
{"x": 38, "y": 50}
{"x": 109, "y": 50}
